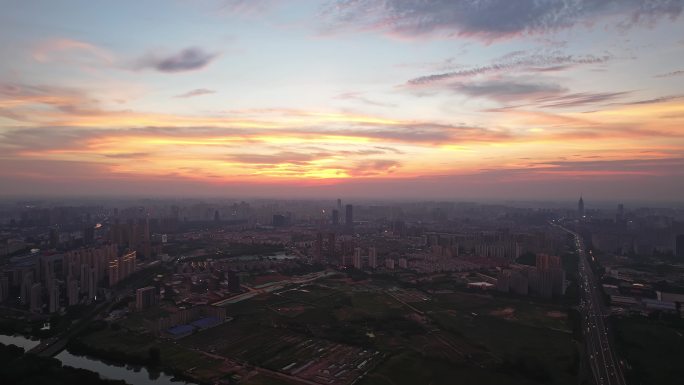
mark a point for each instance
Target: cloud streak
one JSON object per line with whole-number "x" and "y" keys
{"x": 537, "y": 62}
{"x": 188, "y": 59}
{"x": 670, "y": 74}
{"x": 195, "y": 92}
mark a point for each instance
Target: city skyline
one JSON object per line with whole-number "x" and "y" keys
{"x": 377, "y": 99}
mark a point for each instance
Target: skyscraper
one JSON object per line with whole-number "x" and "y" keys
{"x": 580, "y": 207}
{"x": 679, "y": 246}
{"x": 335, "y": 217}
{"x": 349, "y": 217}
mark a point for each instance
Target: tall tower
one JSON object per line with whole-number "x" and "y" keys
{"x": 580, "y": 207}
{"x": 335, "y": 217}
{"x": 349, "y": 217}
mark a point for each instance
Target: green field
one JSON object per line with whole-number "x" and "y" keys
{"x": 451, "y": 338}
{"x": 653, "y": 349}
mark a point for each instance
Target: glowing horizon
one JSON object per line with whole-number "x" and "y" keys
{"x": 361, "y": 98}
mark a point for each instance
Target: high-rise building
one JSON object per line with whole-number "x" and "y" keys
{"x": 339, "y": 204}
{"x": 4, "y": 288}
{"x": 558, "y": 281}
{"x": 233, "y": 282}
{"x": 318, "y": 246}
{"x": 545, "y": 261}
{"x": 519, "y": 283}
{"x": 545, "y": 283}
{"x": 679, "y": 246}
{"x": 620, "y": 215}
{"x": 580, "y": 207}
{"x": 335, "y": 217}
{"x": 53, "y": 295}
{"x": 147, "y": 243}
{"x": 54, "y": 237}
{"x": 145, "y": 298}
{"x": 503, "y": 281}
{"x": 356, "y": 261}
{"x": 89, "y": 235}
{"x": 349, "y": 217}
{"x": 389, "y": 263}
{"x": 113, "y": 272}
{"x": 26, "y": 287}
{"x": 331, "y": 247}
{"x": 279, "y": 220}
{"x": 550, "y": 276}
{"x": 36, "y": 296}
{"x": 372, "y": 257}
{"x": 92, "y": 284}
{"x": 72, "y": 292}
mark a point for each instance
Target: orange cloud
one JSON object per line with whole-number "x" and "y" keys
{"x": 70, "y": 50}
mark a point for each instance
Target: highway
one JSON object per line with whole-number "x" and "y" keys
{"x": 605, "y": 367}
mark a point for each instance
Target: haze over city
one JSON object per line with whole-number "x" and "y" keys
{"x": 341, "y": 192}
{"x": 373, "y": 99}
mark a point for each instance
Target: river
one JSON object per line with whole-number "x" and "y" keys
{"x": 134, "y": 375}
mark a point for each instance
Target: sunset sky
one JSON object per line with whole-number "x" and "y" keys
{"x": 491, "y": 99}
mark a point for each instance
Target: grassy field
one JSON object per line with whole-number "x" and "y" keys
{"x": 471, "y": 338}
{"x": 410, "y": 368}
{"x": 653, "y": 349}
{"x": 469, "y": 335}
{"x": 523, "y": 311}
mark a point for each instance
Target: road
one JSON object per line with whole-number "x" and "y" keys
{"x": 605, "y": 367}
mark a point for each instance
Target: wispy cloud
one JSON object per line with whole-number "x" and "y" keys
{"x": 195, "y": 92}
{"x": 127, "y": 155}
{"x": 490, "y": 19}
{"x": 535, "y": 62}
{"x": 70, "y": 50}
{"x": 188, "y": 59}
{"x": 670, "y": 74}
{"x": 662, "y": 99}
{"x": 374, "y": 167}
{"x": 359, "y": 97}
{"x": 580, "y": 99}
{"x": 507, "y": 90}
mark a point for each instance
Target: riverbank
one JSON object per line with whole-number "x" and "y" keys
{"x": 121, "y": 373}
{"x": 19, "y": 367}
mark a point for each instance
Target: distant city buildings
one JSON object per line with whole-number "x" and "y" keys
{"x": 546, "y": 279}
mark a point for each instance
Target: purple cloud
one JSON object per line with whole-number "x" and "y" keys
{"x": 196, "y": 92}
{"x": 491, "y": 19}
{"x": 189, "y": 59}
